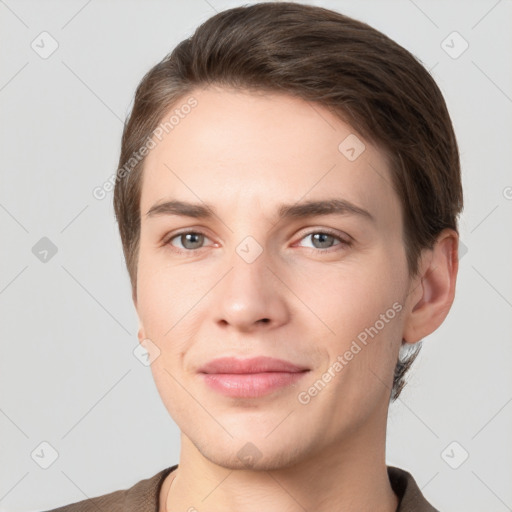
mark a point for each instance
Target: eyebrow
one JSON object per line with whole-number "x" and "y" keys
{"x": 285, "y": 211}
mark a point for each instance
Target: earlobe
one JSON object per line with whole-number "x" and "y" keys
{"x": 434, "y": 290}
{"x": 141, "y": 333}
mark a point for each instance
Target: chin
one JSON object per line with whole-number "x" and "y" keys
{"x": 255, "y": 453}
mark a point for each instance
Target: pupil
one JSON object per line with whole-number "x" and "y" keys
{"x": 194, "y": 239}
{"x": 321, "y": 237}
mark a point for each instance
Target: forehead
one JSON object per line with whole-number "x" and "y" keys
{"x": 254, "y": 150}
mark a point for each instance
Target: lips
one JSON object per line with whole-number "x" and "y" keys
{"x": 250, "y": 378}
{"x": 233, "y": 365}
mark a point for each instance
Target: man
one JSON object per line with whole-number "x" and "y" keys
{"x": 287, "y": 198}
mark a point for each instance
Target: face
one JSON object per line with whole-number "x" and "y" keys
{"x": 269, "y": 274}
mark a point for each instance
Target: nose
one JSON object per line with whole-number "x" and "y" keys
{"x": 251, "y": 297}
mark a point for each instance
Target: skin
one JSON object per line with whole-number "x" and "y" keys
{"x": 246, "y": 154}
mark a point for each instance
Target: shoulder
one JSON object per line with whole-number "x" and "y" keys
{"x": 141, "y": 497}
{"x": 409, "y": 494}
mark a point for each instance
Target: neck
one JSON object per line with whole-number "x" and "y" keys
{"x": 350, "y": 476}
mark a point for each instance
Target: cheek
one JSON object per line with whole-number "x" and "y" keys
{"x": 169, "y": 305}
{"x": 163, "y": 292}
{"x": 349, "y": 299}
{"x": 362, "y": 305}
{"x": 153, "y": 303}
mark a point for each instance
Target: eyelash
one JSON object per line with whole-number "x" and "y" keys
{"x": 342, "y": 242}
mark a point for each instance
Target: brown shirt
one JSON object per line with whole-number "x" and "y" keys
{"x": 143, "y": 496}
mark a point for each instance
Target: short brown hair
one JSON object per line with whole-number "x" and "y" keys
{"x": 370, "y": 82}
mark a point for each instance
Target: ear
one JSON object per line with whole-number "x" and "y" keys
{"x": 433, "y": 290}
{"x": 141, "y": 334}
{"x": 134, "y": 297}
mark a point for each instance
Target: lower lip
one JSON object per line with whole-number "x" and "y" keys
{"x": 250, "y": 385}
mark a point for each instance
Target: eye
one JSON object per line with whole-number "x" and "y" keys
{"x": 188, "y": 240}
{"x": 324, "y": 240}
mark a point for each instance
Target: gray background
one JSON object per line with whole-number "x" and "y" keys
{"x": 68, "y": 376}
